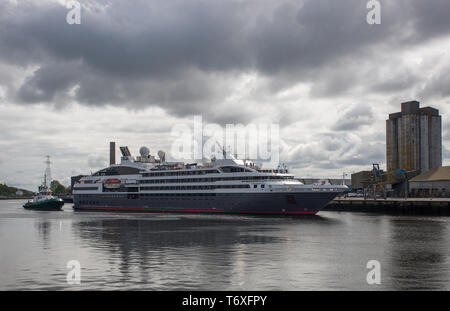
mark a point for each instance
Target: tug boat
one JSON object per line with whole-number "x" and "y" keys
{"x": 44, "y": 200}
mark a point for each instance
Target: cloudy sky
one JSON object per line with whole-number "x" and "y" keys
{"x": 133, "y": 69}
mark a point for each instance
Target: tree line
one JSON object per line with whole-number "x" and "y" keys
{"x": 57, "y": 188}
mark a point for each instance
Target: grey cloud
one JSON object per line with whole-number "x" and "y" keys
{"x": 331, "y": 151}
{"x": 304, "y": 155}
{"x": 438, "y": 85}
{"x": 182, "y": 56}
{"x": 395, "y": 82}
{"x": 430, "y": 18}
{"x": 354, "y": 118}
{"x": 365, "y": 153}
{"x": 174, "y": 36}
{"x": 326, "y": 165}
{"x": 96, "y": 161}
{"x": 48, "y": 82}
{"x": 335, "y": 82}
{"x": 446, "y": 128}
{"x": 332, "y": 145}
{"x": 446, "y": 153}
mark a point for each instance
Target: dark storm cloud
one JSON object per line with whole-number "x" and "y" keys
{"x": 438, "y": 85}
{"x": 184, "y": 55}
{"x": 430, "y": 18}
{"x": 49, "y": 81}
{"x": 394, "y": 81}
{"x": 138, "y": 40}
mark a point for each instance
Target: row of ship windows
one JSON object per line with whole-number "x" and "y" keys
{"x": 197, "y": 187}
{"x": 102, "y": 196}
{"x": 247, "y": 178}
{"x": 181, "y": 173}
{"x": 88, "y": 198}
{"x": 85, "y": 188}
{"x": 153, "y": 195}
{"x": 224, "y": 169}
{"x": 83, "y": 202}
{"x": 187, "y": 180}
{"x": 146, "y": 195}
{"x": 177, "y": 195}
{"x": 209, "y": 187}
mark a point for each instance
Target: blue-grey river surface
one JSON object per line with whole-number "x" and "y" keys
{"x": 130, "y": 251}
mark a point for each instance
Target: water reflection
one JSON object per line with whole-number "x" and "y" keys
{"x": 44, "y": 228}
{"x": 419, "y": 253}
{"x": 144, "y": 235}
{"x": 190, "y": 252}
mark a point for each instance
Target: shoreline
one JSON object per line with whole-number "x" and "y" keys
{"x": 16, "y": 198}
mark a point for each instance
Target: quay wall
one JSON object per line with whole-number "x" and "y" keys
{"x": 405, "y": 206}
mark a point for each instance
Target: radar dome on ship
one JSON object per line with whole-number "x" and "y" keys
{"x": 144, "y": 151}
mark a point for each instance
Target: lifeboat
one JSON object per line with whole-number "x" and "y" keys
{"x": 112, "y": 183}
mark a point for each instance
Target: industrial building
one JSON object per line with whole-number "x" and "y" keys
{"x": 413, "y": 147}
{"x": 361, "y": 180}
{"x": 433, "y": 183}
{"x": 370, "y": 182}
{"x": 414, "y": 139}
{"x": 413, "y": 156}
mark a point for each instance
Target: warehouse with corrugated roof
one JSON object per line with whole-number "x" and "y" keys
{"x": 433, "y": 183}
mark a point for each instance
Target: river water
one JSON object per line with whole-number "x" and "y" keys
{"x": 133, "y": 251}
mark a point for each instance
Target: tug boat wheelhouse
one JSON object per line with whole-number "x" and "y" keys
{"x": 225, "y": 185}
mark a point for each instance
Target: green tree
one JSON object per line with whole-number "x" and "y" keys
{"x": 6, "y": 191}
{"x": 57, "y": 188}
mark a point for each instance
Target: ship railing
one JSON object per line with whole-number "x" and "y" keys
{"x": 276, "y": 171}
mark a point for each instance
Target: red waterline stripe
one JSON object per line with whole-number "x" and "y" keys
{"x": 183, "y": 210}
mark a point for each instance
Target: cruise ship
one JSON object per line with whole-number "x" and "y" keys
{"x": 228, "y": 185}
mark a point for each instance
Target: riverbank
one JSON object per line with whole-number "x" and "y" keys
{"x": 403, "y": 206}
{"x": 15, "y": 198}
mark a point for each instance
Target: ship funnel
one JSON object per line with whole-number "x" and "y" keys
{"x": 112, "y": 153}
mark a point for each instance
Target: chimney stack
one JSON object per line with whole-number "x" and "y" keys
{"x": 112, "y": 153}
